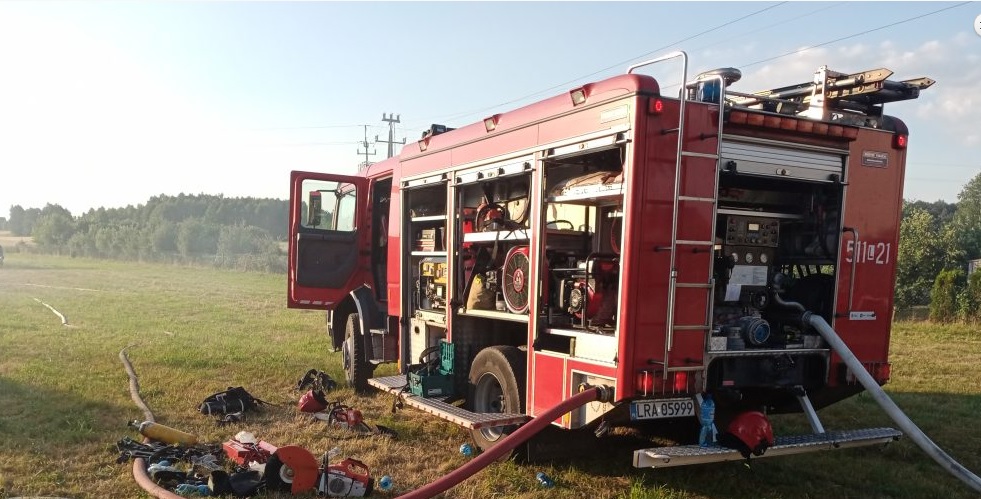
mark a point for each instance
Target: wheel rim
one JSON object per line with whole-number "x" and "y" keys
{"x": 489, "y": 397}
{"x": 346, "y": 358}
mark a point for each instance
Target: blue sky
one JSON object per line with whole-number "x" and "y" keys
{"x": 107, "y": 104}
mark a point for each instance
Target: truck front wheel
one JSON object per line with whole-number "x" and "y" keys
{"x": 357, "y": 369}
{"x": 497, "y": 385}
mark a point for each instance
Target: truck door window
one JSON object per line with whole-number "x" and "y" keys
{"x": 329, "y": 205}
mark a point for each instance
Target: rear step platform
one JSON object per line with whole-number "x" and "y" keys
{"x": 664, "y": 457}
{"x": 439, "y": 407}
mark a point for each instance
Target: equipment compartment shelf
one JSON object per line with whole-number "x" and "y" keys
{"x": 428, "y": 253}
{"x": 501, "y": 235}
{"x": 429, "y": 218}
{"x": 518, "y": 235}
{"x": 493, "y": 314}
{"x": 608, "y": 194}
{"x": 432, "y": 317}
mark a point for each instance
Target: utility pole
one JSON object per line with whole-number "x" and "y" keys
{"x": 365, "y": 164}
{"x": 392, "y": 119}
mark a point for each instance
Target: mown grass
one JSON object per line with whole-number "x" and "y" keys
{"x": 64, "y": 398}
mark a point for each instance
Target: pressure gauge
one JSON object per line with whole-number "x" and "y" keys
{"x": 749, "y": 258}
{"x": 764, "y": 258}
{"x": 735, "y": 257}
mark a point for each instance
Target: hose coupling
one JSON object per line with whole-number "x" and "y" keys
{"x": 604, "y": 393}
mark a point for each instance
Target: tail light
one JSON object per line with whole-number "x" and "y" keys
{"x": 655, "y": 106}
{"x": 680, "y": 383}
{"x": 654, "y": 382}
{"x": 899, "y": 141}
{"x": 644, "y": 382}
{"x": 882, "y": 372}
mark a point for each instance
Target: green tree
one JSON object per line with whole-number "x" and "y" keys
{"x": 54, "y": 229}
{"x": 943, "y": 296}
{"x": 164, "y": 238}
{"x": 966, "y": 222}
{"x": 22, "y": 220}
{"x": 921, "y": 257}
{"x": 195, "y": 237}
{"x": 969, "y": 301}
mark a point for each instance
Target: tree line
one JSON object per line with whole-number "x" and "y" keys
{"x": 239, "y": 233}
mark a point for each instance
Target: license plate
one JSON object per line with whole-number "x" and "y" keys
{"x": 660, "y": 409}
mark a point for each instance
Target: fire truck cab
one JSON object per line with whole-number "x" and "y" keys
{"x": 612, "y": 235}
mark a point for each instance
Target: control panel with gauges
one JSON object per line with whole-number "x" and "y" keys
{"x": 750, "y": 245}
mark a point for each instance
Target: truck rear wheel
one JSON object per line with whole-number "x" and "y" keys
{"x": 357, "y": 369}
{"x": 497, "y": 385}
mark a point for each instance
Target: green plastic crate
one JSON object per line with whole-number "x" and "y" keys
{"x": 431, "y": 385}
{"x": 427, "y": 381}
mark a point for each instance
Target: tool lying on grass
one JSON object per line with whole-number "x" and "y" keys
{"x": 338, "y": 415}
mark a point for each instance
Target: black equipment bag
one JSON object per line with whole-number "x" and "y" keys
{"x": 234, "y": 399}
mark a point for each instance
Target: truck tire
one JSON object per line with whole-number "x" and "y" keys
{"x": 497, "y": 384}
{"x": 357, "y": 369}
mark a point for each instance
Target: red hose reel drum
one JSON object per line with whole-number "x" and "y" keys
{"x": 516, "y": 275}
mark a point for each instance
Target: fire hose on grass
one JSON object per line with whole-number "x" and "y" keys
{"x": 585, "y": 396}
{"x": 139, "y": 466}
{"x": 879, "y": 395}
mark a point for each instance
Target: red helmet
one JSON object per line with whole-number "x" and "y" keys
{"x": 750, "y": 433}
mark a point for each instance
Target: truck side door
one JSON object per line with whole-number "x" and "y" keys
{"x": 328, "y": 239}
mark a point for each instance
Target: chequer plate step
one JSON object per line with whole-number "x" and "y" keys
{"x": 438, "y": 406}
{"x": 663, "y": 457}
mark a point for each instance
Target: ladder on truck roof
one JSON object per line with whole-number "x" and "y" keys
{"x": 694, "y": 207}
{"x": 834, "y": 96}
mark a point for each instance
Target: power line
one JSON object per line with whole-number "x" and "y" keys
{"x": 308, "y": 127}
{"x": 305, "y": 144}
{"x": 782, "y": 22}
{"x": 560, "y": 85}
{"x": 921, "y": 16}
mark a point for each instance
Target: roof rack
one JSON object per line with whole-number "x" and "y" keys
{"x": 855, "y": 99}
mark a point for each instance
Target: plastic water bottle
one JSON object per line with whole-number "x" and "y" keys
{"x": 544, "y": 480}
{"x": 187, "y": 489}
{"x": 385, "y": 483}
{"x": 466, "y": 450}
{"x": 709, "y": 433}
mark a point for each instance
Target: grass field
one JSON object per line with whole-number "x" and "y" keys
{"x": 64, "y": 401}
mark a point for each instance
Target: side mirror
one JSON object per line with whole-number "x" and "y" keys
{"x": 313, "y": 213}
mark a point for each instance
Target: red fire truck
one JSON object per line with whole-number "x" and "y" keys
{"x": 613, "y": 235}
